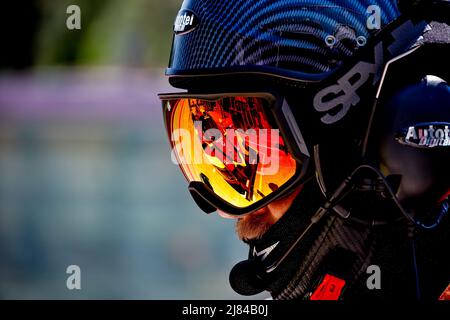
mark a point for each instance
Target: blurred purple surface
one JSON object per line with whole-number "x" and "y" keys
{"x": 89, "y": 95}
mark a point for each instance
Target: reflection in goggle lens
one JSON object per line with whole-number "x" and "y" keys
{"x": 231, "y": 145}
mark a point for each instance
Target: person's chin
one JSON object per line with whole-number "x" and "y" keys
{"x": 255, "y": 225}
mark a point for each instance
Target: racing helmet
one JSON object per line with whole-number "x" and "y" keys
{"x": 269, "y": 82}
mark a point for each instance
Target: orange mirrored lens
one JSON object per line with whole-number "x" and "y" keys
{"x": 231, "y": 145}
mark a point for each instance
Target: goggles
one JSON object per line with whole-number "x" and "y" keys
{"x": 238, "y": 151}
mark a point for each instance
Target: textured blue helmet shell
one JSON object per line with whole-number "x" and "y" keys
{"x": 312, "y": 37}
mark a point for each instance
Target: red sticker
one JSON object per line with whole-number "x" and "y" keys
{"x": 329, "y": 289}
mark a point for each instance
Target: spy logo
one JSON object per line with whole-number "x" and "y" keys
{"x": 186, "y": 21}
{"x": 74, "y": 280}
{"x": 265, "y": 253}
{"x": 74, "y": 20}
{"x": 336, "y": 100}
{"x": 343, "y": 94}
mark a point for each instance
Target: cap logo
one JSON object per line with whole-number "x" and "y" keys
{"x": 185, "y": 22}
{"x": 426, "y": 135}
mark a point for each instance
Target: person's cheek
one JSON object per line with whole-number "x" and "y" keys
{"x": 225, "y": 215}
{"x": 280, "y": 207}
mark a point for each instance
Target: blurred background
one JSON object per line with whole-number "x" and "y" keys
{"x": 85, "y": 172}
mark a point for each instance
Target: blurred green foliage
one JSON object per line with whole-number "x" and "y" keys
{"x": 113, "y": 32}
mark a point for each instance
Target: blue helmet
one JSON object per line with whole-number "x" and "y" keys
{"x": 305, "y": 40}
